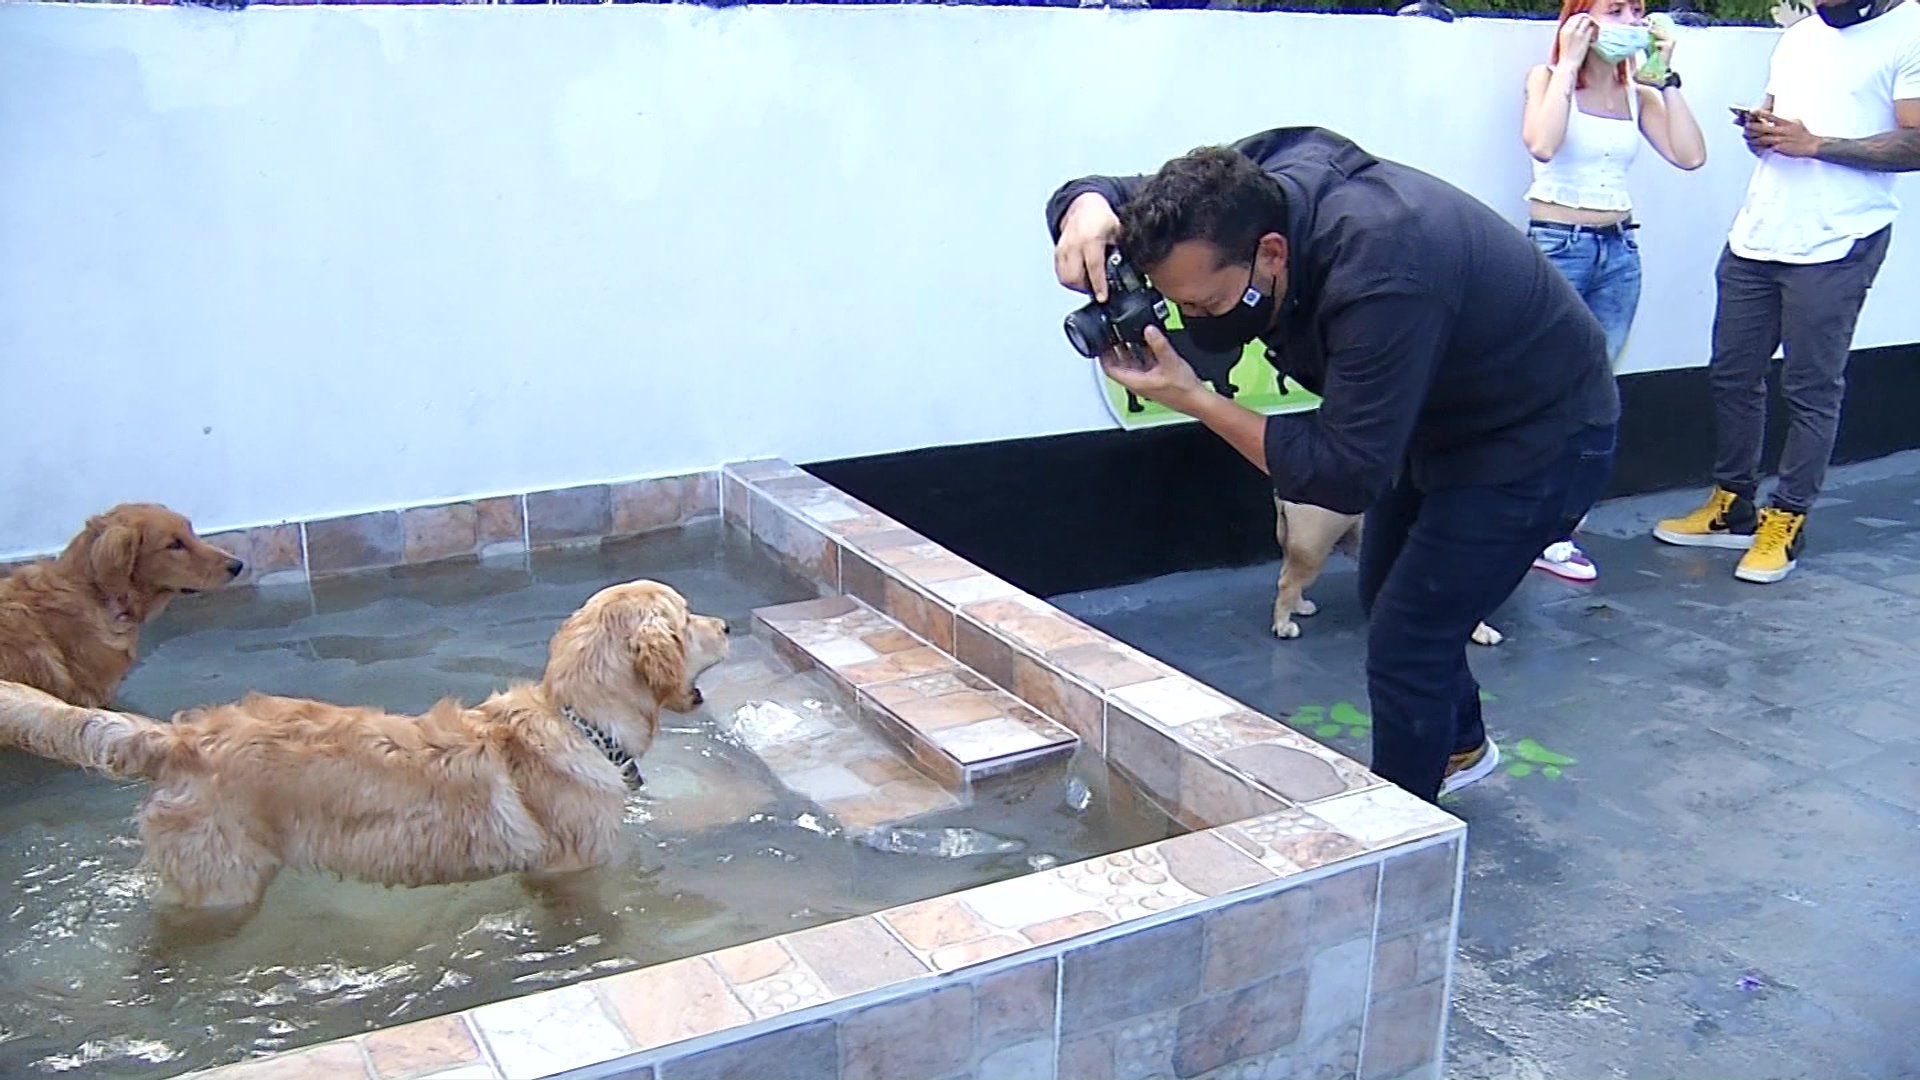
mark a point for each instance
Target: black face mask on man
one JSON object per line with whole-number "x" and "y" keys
{"x": 1232, "y": 329}
{"x": 1847, "y": 13}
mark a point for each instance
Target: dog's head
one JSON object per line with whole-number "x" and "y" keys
{"x": 630, "y": 651}
{"x": 141, "y": 555}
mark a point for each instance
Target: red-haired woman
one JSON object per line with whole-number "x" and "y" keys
{"x": 1587, "y": 110}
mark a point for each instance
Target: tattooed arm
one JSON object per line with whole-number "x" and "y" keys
{"x": 1890, "y": 151}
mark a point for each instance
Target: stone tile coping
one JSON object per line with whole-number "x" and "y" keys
{"x": 656, "y": 1020}
{"x": 1203, "y": 756}
{"x": 503, "y": 526}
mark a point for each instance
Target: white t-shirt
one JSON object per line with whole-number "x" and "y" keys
{"x": 1841, "y": 84}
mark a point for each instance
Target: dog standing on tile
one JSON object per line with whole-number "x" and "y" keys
{"x": 533, "y": 780}
{"x": 1307, "y": 535}
{"x": 70, "y": 625}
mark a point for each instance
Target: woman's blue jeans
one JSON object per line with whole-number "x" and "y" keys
{"x": 1603, "y": 264}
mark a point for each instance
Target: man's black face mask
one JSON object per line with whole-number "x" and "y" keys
{"x": 1218, "y": 333}
{"x": 1845, "y": 14}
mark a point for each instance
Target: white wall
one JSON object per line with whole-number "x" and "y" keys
{"x": 302, "y": 261}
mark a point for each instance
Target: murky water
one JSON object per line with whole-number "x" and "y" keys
{"x": 721, "y": 852}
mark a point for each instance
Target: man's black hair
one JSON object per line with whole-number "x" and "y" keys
{"x": 1214, "y": 193}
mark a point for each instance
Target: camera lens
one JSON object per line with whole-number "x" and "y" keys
{"x": 1087, "y": 332}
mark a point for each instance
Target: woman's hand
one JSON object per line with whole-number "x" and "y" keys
{"x": 1080, "y": 258}
{"x": 1661, "y": 37}
{"x": 1576, "y": 37}
{"x": 1166, "y": 377}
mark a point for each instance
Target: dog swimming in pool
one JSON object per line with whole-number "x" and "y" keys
{"x": 530, "y": 781}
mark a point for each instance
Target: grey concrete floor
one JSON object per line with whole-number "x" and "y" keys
{"x": 1709, "y": 867}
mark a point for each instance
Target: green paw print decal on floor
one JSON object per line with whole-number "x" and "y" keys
{"x": 1345, "y": 718}
{"x": 1326, "y": 722}
{"x": 1313, "y": 718}
{"x": 1533, "y": 757}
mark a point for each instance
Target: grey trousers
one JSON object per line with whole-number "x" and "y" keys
{"x": 1812, "y": 309}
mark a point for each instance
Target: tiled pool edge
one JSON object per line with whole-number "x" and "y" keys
{"x": 1321, "y": 973}
{"x": 503, "y": 526}
{"x": 1207, "y": 758}
{"x": 1231, "y": 950}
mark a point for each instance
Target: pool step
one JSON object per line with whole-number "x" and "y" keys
{"x": 811, "y": 741}
{"x": 955, "y": 725}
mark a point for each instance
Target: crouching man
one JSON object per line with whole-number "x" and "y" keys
{"x": 1468, "y": 407}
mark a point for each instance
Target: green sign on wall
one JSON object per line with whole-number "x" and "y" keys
{"x": 1251, "y": 381}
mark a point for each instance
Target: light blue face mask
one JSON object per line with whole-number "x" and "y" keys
{"x": 1618, "y": 41}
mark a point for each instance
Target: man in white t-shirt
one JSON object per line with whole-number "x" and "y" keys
{"x": 1841, "y": 116}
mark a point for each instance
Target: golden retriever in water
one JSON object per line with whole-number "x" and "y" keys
{"x": 1307, "y": 535}
{"x": 70, "y": 625}
{"x": 530, "y": 781}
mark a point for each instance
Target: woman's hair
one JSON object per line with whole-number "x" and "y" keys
{"x": 1568, "y": 9}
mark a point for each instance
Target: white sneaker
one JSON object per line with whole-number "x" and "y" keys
{"x": 1465, "y": 768}
{"x": 1566, "y": 560}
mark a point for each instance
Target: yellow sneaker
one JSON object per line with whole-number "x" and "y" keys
{"x": 1776, "y": 547}
{"x": 1725, "y": 521}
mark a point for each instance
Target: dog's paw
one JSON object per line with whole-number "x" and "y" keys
{"x": 1286, "y": 630}
{"x": 1487, "y": 635}
{"x": 1306, "y": 607}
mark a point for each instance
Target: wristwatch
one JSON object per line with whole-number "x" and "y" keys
{"x": 1671, "y": 82}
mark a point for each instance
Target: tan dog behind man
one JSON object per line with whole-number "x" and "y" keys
{"x": 530, "y": 781}
{"x": 70, "y": 625}
{"x": 1307, "y": 535}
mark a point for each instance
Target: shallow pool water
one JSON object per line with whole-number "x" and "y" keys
{"x": 721, "y": 851}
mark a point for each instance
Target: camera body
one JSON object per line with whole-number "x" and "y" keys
{"x": 1131, "y": 306}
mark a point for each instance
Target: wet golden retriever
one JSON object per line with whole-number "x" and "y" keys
{"x": 530, "y": 781}
{"x": 1307, "y": 535}
{"x": 70, "y": 625}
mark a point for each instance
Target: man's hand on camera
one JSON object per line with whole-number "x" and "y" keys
{"x": 1080, "y": 258}
{"x": 1160, "y": 374}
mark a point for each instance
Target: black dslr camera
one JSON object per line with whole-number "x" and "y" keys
{"x": 1132, "y": 305}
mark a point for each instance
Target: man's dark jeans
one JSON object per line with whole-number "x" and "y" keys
{"x": 1434, "y": 564}
{"x": 1812, "y": 309}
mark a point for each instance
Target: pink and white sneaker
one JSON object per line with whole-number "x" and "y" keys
{"x": 1566, "y": 560}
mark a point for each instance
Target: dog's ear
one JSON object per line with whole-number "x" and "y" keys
{"x": 112, "y": 556}
{"x": 660, "y": 660}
